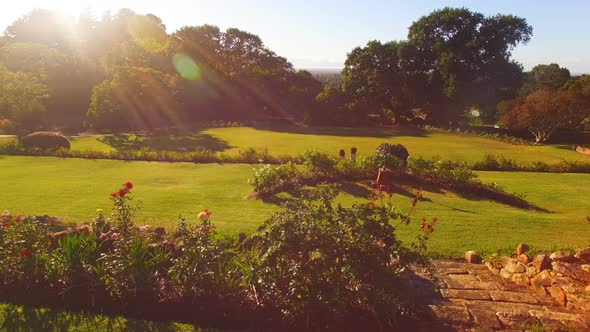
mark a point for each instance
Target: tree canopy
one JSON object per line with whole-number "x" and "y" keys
{"x": 125, "y": 71}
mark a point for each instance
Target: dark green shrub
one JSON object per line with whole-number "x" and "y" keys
{"x": 269, "y": 178}
{"x": 443, "y": 169}
{"x": 320, "y": 263}
{"x": 319, "y": 162}
{"x": 45, "y": 141}
{"x": 396, "y": 150}
{"x": 377, "y": 160}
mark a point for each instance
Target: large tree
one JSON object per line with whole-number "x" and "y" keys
{"x": 544, "y": 76}
{"x": 135, "y": 98}
{"x": 545, "y": 110}
{"x": 22, "y": 98}
{"x": 374, "y": 80}
{"x": 463, "y": 54}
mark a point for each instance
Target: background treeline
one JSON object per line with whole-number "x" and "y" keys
{"x": 126, "y": 72}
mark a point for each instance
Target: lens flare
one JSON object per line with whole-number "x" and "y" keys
{"x": 186, "y": 67}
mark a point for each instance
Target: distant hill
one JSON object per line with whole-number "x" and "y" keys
{"x": 326, "y": 75}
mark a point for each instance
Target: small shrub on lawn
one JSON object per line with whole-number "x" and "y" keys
{"x": 397, "y": 150}
{"x": 45, "y": 141}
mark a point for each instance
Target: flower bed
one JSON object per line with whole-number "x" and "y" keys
{"x": 311, "y": 266}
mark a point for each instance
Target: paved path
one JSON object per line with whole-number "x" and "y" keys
{"x": 471, "y": 298}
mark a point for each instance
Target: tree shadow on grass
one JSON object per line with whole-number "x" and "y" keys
{"x": 402, "y": 186}
{"x": 165, "y": 142}
{"x": 364, "y": 189}
{"x": 375, "y": 132}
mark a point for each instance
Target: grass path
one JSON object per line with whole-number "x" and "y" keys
{"x": 74, "y": 188}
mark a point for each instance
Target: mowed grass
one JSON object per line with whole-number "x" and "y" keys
{"x": 74, "y": 188}
{"x": 296, "y": 140}
{"x": 425, "y": 143}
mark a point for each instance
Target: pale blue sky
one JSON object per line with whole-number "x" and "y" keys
{"x": 318, "y": 34}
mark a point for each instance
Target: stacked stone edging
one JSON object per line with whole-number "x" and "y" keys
{"x": 565, "y": 277}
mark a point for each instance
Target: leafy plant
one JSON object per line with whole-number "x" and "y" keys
{"x": 74, "y": 257}
{"x": 267, "y": 178}
{"x": 319, "y": 262}
{"x": 319, "y": 162}
{"x": 24, "y": 243}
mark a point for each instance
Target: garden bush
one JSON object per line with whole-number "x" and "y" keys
{"x": 500, "y": 163}
{"x": 442, "y": 169}
{"x": 24, "y": 243}
{"x": 319, "y": 162}
{"x": 269, "y": 178}
{"x": 378, "y": 160}
{"x": 320, "y": 264}
{"x": 396, "y": 150}
{"x": 45, "y": 141}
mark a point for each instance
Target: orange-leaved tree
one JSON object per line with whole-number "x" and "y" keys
{"x": 543, "y": 111}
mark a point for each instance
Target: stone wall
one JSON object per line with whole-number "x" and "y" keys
{"x": 563, "y": 276}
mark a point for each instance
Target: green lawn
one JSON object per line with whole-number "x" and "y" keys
{"x": 74, "y": 188}
{"x": 424, "y": 143}
{"x": 296, "y": 140}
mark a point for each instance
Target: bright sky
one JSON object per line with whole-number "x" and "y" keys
{"x": 319, "y": 33}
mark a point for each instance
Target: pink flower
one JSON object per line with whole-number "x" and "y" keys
{"x": 103, "y": 236}
{"x": 19, "y": 218}
{"x": 206, "y": 229}
{"x": 114, "y": 236}
{"x": 203, "y": 215}
{"x": 6, "y": 214}
{"x": 144, "y": 228}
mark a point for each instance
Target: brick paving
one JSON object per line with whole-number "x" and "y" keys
{"x": 468, "y": 297}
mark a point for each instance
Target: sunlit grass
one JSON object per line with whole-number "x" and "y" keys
{"x": 296, "y": 140}
{"x": 74, "y": 188}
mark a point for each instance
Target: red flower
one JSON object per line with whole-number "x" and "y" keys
{"x": 129, "y": 185}
{"x": 26, "y": 253}
{"x": 122, "y": 192}
{"x": 114, "y": 194}
{"x": 206, "y": 229}
{"x": 19, "y": 218}
{"x": 5, "y": 224}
